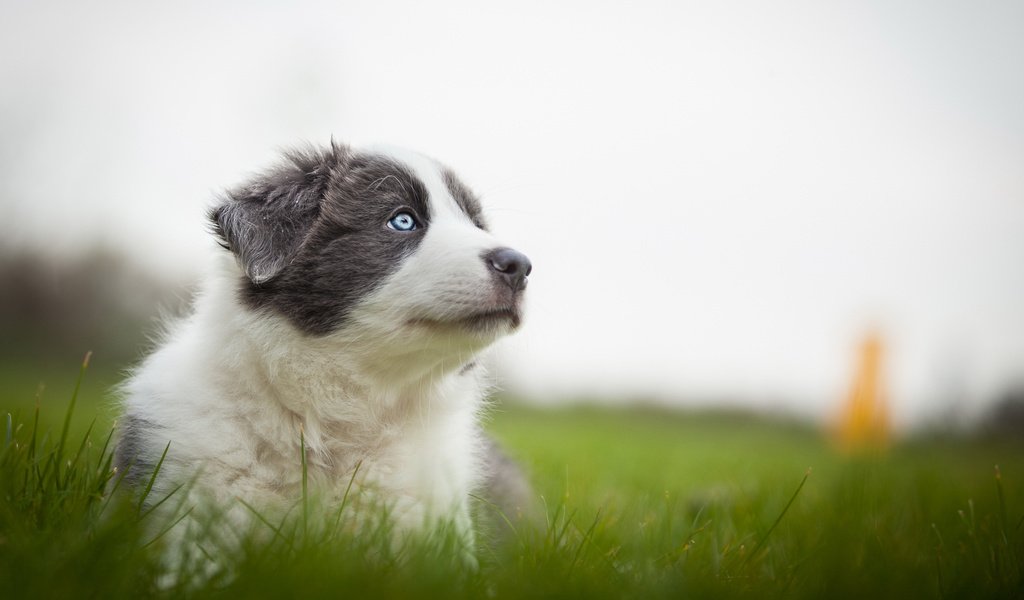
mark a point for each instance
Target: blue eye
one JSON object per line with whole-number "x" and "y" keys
{"x": 403, "y": 221}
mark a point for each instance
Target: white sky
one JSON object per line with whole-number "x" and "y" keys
{"x": 718, "y": 198}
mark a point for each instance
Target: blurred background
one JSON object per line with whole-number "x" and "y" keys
{"x": 752, "y": 206}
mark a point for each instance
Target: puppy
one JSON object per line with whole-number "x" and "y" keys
{"x": 344, "y": 318}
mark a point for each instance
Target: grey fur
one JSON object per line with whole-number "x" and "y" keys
{"x": 265, "y": 221}
{"x": 465, "y": 198}
{"x": 130, "y": 457}
{"x": 508, "y": 496}
{"x": 311, "y": 232}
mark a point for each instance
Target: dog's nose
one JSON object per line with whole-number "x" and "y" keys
{"x": 511, "y": 266}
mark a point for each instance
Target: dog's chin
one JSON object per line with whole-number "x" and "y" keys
{"x": 509, "y": 318}
{"x": 489, "y": 322}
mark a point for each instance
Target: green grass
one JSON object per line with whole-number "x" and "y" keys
{"x": 637, "y": 503}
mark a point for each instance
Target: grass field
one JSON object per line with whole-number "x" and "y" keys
{"x": 638, "y": 503}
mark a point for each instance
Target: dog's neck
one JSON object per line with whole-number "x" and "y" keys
{"x": 335, "y": 383}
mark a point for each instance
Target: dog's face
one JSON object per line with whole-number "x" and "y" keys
{"x": 387, "y": 244}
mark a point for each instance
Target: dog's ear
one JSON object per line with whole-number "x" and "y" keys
{"x": 265, "y": 222}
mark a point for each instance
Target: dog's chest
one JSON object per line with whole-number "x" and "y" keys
{"x": 421, "y": 454}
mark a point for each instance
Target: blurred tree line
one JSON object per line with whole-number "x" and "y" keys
{"x": 1006, "y": 417}
{"x": 54, "y": 310}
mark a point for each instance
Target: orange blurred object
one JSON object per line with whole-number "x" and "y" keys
{"x": 864, "y": 424}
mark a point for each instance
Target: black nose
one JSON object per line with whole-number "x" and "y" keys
{"x": 510, "y": 266}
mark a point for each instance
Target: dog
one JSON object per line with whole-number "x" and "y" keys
{"x": 338, "y": 331}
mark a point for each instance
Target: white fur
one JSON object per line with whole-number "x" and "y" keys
{"x": 233, "y": 390}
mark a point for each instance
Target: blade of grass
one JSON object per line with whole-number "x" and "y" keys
{"x": 501, "y": 514}
{"x": 583, "y": 542}
{"x": 552, "y": 520}
{"x": 71, "y": 407}
{"x": 105, "y": 459}
{"x": 344, "y": 498}
{"x": 161, "y": 501}
{"x": 565, "y": 528}
{"x": 74, "y": 461}
{"x": 35, "y": 428}
{"x": 152, "y": 477}
{"x": 164, "y": 531}
{"x": 110, "y": 493}
{"x": 760, "y": 543}
{"x": 32, "y": 450}
{"x": 305, "y": 482}
{"x": 265, "y": 521}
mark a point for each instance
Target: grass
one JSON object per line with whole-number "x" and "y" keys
{"x": 636, "y": 504}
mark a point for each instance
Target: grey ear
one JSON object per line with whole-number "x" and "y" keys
{"x": 265, "y": 221}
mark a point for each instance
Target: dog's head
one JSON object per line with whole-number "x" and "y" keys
{"x": 385, "y": 246}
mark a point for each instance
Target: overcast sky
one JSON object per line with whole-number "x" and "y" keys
{"x": 719, "y": 198}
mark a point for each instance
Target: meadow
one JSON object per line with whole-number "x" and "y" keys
{"x": 638, "y": 503}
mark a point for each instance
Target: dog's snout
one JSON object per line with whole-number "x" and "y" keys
{"x": 510, "y": 266}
